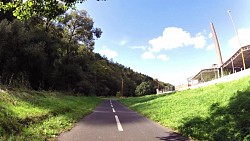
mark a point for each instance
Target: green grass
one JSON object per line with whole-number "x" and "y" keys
{"x": 219, "y": 112}
{"x": 32, "y": 115}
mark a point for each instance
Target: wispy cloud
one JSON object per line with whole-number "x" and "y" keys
{"x": 210, "y": 35}
{"x": 163, "y": 57}
{"x": 210, "y": 47}
{"x": 173, "y": 37}
{"x": 148, "y": 55}
{"x": 138, "y": 47}
{"x": 151, "y": 56}
{"x": 123, "y": 42}
{"x": 108, "y": 52}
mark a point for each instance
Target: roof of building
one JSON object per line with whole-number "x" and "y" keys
{"x": 237, "y": 59}
{"x": 234, "y": 61}
{"x": 205, "y": 73}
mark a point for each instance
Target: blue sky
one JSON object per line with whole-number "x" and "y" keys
{"x": 169, "y": 40}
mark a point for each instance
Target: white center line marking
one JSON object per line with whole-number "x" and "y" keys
{"x": 113, "y": 110}
{"x": 119, "y": 126}
{"x": 112, "y": 106}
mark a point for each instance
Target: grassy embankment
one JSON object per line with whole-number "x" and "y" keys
{"x": 218, "y": 112}
{"x": 32, "y": 115}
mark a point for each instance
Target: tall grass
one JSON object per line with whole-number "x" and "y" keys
{"x": 32, "y": 115}
{"x": 218, "y": 112}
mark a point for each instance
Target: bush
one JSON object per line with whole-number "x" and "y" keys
{"x": 143, "y": 89}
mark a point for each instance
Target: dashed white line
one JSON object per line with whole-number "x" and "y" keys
{"x": 113, "y": 110}
{"x": 119, "y": 126}
{"x": 111, "y": 105}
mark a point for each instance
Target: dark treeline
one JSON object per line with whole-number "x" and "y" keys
{"x": 57, "y": 54}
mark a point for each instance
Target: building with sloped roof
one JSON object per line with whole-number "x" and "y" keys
{"x": 236, "y": 63}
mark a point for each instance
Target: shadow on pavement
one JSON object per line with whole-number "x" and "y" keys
{"x": 173, "y": 137}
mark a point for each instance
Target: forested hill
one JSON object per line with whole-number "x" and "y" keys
{"x": 57, "y": 54}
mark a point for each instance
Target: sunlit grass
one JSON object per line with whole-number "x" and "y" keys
{"x": 31, "y": 115}
{"x": 209, "y": 113}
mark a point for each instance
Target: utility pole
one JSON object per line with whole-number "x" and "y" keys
{"x": 158, "y": 87}
{"x": 122, "y": 88}
{"x": 235, "y": 29}
{"x": 122, "y": 85}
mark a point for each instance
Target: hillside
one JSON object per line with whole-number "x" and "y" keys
{"x": 218, "y": 112}
{"x": 40, "y": 59}
{"x": 32, "y": 115}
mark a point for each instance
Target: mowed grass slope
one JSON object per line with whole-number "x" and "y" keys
{"x": 218, "y": 112}
{"x": 32, "y": 115}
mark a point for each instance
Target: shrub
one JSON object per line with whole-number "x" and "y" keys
{"x": 143, "y": 89}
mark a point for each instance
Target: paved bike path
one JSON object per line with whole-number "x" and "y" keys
{"x": 111, "y": 121}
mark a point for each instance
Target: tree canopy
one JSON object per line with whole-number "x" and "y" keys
{"x": 49, "y": 9}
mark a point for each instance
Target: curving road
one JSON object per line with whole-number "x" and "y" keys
{"x": 111, "y": 121}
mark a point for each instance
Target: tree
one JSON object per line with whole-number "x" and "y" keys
{"x": 143, "y": 89}
{"x": 78, "y": 28}
{"x": 22, "y": 52}
{"x": 49, "y": 9}
{"x": 129, "y": 87}
{"x": 6, "y": 14}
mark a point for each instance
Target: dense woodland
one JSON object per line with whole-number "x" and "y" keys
{"x": 43, "y": 47}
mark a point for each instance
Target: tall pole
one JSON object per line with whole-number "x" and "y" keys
{"x": 216, "y": 42}
{"x": 122, "y": 87}
{"x": 158, "y": 86}
{"x": 235, "y": 29}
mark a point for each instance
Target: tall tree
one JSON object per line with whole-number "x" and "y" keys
{"x": 78, "y": 29}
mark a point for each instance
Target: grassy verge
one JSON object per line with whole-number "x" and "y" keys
{"x": 32, "y": 115}
{"x": 218, "y": 112}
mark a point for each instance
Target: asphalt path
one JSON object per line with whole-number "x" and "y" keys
{"x": 111, "y": 121}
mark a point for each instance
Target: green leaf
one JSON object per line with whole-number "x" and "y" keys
{"x": 30, "y": 3}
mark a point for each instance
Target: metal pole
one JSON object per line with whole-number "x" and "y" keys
{"x": 222, "y": 73}
{"x": 232, "y": 64}
{"x": 242, "y": 55}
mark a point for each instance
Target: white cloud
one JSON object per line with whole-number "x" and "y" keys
{"x": 244, "y": 35}
{"x": 123, "y": 42}
{"x": 199, "y": 41}
{"x": 174, "y": 37}
{"x": 138, "y": 47}
{"x": 148, "y": 55}
{"x": 210, "y": 47}
{"x": 163, "y": 57}
{"x": 210, "y": 35}
{"x": 108, "y": 53}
